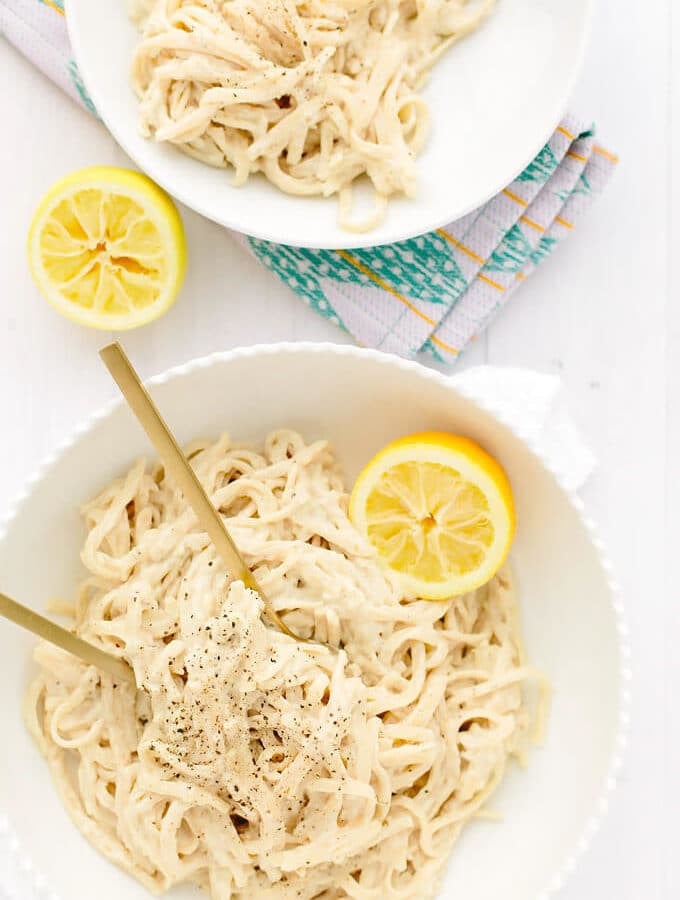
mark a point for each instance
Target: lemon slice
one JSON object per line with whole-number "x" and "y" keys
{"x": 439, "y": 512}
{"x": 106, "y": 247}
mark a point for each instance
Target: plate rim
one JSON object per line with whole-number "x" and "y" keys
{"x": 10, "y": 842}
{"x": 353, "y": 240}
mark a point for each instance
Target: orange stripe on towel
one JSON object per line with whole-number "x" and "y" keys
{"x": 494, "y": 284}
{"x": 376, "y": 279}
{"x": 515, "y": 197}
{"x": 461, "y": 247}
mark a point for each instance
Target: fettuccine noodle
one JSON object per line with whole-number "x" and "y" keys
{"x": 249, "y": 763}
{"x": 313, "y": 93}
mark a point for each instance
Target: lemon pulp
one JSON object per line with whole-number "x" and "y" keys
{"x": 439, "y": 511}
{"x": 107, "y": 248}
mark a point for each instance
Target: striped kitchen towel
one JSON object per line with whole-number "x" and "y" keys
{"x": 431, "y": 294}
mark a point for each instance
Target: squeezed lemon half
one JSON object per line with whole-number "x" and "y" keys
{"x": 106, "y": 248}
{"x": 439, "y": 511}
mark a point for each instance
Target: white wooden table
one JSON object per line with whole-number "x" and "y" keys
{"x": 599, "y": 313}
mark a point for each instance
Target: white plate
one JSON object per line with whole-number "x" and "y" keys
{"x": 360, "y": 399}
{"x": 495, "y": 98}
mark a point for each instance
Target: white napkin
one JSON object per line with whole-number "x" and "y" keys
{"x": 532, "y": 404}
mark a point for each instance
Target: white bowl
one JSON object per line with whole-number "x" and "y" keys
{"x": 495, "y": 98}
{"x": 359, "y": 399}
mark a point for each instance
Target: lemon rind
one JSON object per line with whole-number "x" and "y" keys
{"x": 161, "y": 211}
{"x": 496, "y": 488}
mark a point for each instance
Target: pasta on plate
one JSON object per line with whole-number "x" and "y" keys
{"x": 312, "y": 93}
{"x": 249, "y": 763}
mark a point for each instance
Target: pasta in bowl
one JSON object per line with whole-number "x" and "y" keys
{"x": 368, "y": 714}
{"x": 306, "y": 104}
{"x": 312, "y": 94}
{"x": 252, "y": 764}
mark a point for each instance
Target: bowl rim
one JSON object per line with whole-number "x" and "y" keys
{"x": 9, "y": 841}
{"x": 352, "y": 240}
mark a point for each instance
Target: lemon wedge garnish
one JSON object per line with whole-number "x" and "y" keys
{"x": 439, "y": 511}
{"x": 106, "y": 247}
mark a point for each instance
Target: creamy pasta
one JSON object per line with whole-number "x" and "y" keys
{"x": 312, "y": 93}
{"x": 250, "y": 763}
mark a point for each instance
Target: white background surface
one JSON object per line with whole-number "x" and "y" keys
{"x": 600, "y": 313}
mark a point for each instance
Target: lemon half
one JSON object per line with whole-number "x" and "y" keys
{"x": 106, "y": 247}
{"x": 439, "y": 511}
